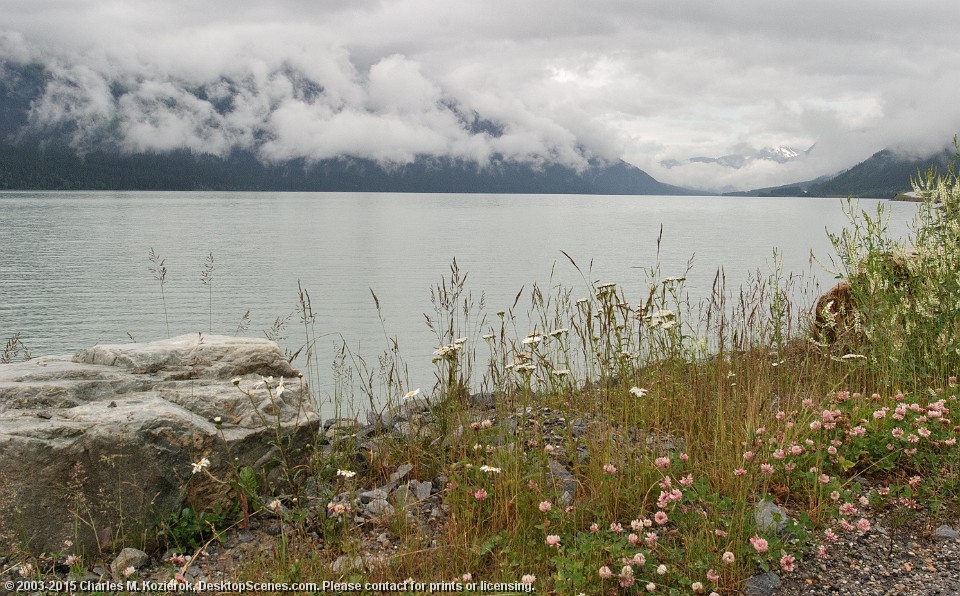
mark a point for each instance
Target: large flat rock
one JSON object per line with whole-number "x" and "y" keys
{"x": 98, "y": 447}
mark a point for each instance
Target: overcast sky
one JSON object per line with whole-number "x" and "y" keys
{"x": 565, "y": 80}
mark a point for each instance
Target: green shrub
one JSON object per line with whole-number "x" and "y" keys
{"x": 908, "y": 299}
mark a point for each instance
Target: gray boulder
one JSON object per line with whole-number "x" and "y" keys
{"x": 98, "y": 448}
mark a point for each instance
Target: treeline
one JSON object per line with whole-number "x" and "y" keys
{"x": 60, "y": 168}
{"x": 39, "y": 167}
{"x": 883, "y": 175}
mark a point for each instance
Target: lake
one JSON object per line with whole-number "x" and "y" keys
{"x": 74, "y": 265}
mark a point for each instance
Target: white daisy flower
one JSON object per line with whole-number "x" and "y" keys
{"x": 200, "y": 465}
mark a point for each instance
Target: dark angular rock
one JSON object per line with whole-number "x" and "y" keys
{"x": 765, "y": 584}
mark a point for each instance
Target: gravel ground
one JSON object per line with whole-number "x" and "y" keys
{"x": 911, "y": 557}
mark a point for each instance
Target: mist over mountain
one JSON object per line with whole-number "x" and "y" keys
{"x": 77, "y": 130}
{"x": 744, "y": 157}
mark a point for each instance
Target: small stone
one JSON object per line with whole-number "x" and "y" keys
{"x": 373, "y": 495}
{"x": 422, "y": 490}
{"x": 946, "y": 532}
{"x": 128, "y": 557}
{"x": 402, "y": 496}
{"x": 770, "y": 517}
{"x": 379, "y": 507}
{"x": 483, "y": 400}
{"x": 765, "y": 584}
{"x": 401, "y": 472}
{"x": 418, "y": 404}
{"x": 347, "y": 563}
{"x": 566, "y": 480}
{"x": 337, "y": 428}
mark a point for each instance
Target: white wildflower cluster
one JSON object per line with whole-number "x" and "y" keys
{"x": 663, "y": 318}
{"x": 606, "y": 288}
{"x": 533, "y": 338}
{"x": 522, "y": 360}
{"x": 449, "y": 351}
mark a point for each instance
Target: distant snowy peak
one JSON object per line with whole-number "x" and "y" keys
{"x": 779, "y": 154}
{"x": 738, "y": 160}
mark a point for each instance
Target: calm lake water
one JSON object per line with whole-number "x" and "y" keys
{"x": 74, "y": 267}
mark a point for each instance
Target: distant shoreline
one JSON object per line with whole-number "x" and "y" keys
{"x": 911, "y": 197}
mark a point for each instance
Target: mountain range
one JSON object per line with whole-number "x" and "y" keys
{"x": 81, "y": 149}
{"x": 883, "y": 175}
